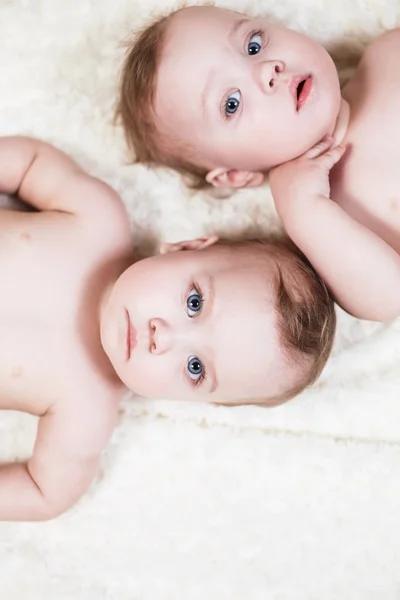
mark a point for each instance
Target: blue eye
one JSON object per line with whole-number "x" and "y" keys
{"x": 255, "y": 44}
{"x": 195, "y": 368}
{"x": 233, "y": 103}
{"x": 194, "y": 303}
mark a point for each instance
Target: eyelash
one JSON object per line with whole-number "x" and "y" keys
{"x": 195, "y": 286}
{"x": 224, "y": 102}
{"x": 199, "y": 291}
{"x": 202, "y": 377}
{"x": 259, "y": 32}
{"x": 225, "y": 99}
{"x": 222, "y": 109}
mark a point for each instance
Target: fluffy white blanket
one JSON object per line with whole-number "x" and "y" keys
{"x": 195, "y": 502}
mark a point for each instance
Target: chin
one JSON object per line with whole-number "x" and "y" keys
{"x": 331, "y": 105}
{"x": 326, "y": 125}
{"x": 131, "y": 385}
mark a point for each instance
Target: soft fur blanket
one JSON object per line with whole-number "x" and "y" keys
{"x": 301, "y": 502}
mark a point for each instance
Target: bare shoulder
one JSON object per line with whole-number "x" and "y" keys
{"x": 389, "y": 36}
{"x": 378, "y": 65}
{"x": 86, "y": 418}
{"x": 101, "y": 203}
{"x": 383, "y": 46}
{"x": 103, "y": 218}
{"x": 73, "y": 190}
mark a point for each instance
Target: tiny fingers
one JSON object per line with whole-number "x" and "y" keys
{"x": 320, "y": 148}
{"x": 332, "y": 156}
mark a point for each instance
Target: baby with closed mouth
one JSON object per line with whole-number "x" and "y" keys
{"x": 81, "y": 320}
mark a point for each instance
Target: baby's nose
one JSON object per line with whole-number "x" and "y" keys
{"x": 160, "y": 336}
{"x": 268, "y": 74}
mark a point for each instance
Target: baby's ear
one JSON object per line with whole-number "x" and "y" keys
{"x": 232, "y": 178}
{"x": 197, "y": 244}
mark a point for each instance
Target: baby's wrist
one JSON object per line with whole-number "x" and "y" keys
{"x": 298, "y": 211}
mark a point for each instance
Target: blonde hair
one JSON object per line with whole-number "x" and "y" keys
{"x": 135, "y": 107}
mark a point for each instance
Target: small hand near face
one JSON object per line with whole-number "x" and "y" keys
{"x": 301, "y": 181}
{"x": 360, "y": 269}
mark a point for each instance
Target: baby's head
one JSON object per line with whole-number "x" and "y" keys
{"x": 229, "y": 323}
{"x": 225, "y": 97}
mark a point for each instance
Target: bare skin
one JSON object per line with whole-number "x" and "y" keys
{"x": 228, "y": 84}
{"x": 51, "y": 360}
{"x": 80, "y": 320}
{"x": 372, "y": 195}
{"x": 354, "y": 242}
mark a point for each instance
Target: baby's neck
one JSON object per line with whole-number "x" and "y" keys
{"x": 342, "y": 122}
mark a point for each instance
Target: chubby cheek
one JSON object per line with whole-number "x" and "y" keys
{"x": 263, "y": 155}
{"x": 152, "y": 377}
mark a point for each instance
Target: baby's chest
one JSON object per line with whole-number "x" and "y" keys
{"x": 43, "y": 336}
{"x": 367, "y": 181}
{"x": 40, "y": 358}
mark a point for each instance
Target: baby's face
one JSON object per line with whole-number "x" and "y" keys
{"x": 196, "y": 325}
{"x": 244, "y": 93}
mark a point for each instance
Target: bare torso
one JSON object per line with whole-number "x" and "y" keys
{"x": 366, "y": 182}
{"x": 56, "y": 268}
{"x": 50, "y": 348}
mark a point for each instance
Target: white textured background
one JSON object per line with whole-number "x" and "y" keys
{"x": 200, "y": 503}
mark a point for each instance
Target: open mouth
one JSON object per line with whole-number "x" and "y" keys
{"x": 303, "y": 90}
{"x": 299, "y": 88}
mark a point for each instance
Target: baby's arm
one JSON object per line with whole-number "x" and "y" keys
{"x": 360, "y": 269}
{"x": 48, "y": 179}
{"x": 64, "y": 463}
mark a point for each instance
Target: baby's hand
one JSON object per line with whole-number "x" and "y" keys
{"x": 304, "y": 180}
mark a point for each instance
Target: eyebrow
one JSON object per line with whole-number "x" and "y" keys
{"x": 209, "y": 83}
{"x": 206, "y": 90}
{"x": 237, "y": 26}
{"x": 209, "y": 297}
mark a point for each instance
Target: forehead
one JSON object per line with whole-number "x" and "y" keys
{"x": 233, "y": 264}
{"x": 197, "y": 41}
{"x": 201, "y": 34}
{"x": 201, "y": 20}
{"x": 241, "y": 326}
{"x": 245, "y": 347}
